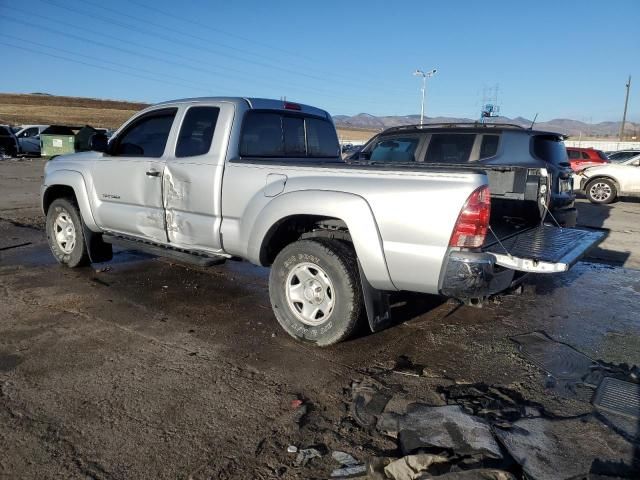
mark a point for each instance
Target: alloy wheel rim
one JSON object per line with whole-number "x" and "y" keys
{"x": 64, "y": 231}
{"x": 310, "y": 294}
{"x": 600, "y": 191}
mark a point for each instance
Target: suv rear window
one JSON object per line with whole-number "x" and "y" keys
{"x": 450, "y": 147}
{"x": 275, "y": 134}
{"x": 549, "y": 148}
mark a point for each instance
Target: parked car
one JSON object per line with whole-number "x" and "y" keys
{"x": 215, "y": 179}
{"x": 623, "y": 155}
{"x": 580, "y": 158}
{"x": 505, "y": 152}
{"x": 29, "y": 139}
{"x": 8, "y": 142}
{"x": 606, "y": 183}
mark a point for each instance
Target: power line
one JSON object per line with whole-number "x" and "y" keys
{"x": 163, "y": 59}
{"x": 186, "y": 83}
{"x": 200, "y": 46}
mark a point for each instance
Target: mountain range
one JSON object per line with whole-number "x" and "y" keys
{"x": 574, "y": 128}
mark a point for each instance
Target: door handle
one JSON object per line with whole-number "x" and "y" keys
{"x": 153, "y": 173}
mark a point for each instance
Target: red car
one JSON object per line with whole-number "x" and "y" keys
{"x": 581, "y": 158}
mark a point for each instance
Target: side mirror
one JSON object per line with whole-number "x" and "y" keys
{"x": 99, "y": 142}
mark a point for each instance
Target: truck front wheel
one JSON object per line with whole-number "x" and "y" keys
{"x": 315, "y": 291}
{"x": 65, "y": 234}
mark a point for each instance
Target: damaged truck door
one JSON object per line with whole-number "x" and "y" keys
{"x": 192, "y": 179}
{"x": 127, "y": 179}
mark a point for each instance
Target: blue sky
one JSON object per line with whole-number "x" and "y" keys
{"x": 566, "y": 59}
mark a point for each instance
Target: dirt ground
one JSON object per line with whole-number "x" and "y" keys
{"x": 145, "y": 368}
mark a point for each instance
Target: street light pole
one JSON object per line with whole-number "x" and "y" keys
{"x": 420, "y": 73}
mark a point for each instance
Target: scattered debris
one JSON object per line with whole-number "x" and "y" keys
{"x": 350, "y": 467}
{"x": 296, "y": 403}
{"x": 404, "y": 366}
{"x": 368, "y": 401}
{"x": 477, "y": 474}
{"x": 449, "y": 427}
{"x": 408, "y": 468}
{"x": 103, "y": 269}
{"x": 563, "y": 449}
{"x": 344, "y": 458}
{"x": 292, "y": 449}
{"x": 305, "y": 455}
{"x": 617, "y": 396}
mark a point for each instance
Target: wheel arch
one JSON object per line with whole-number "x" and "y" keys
{"x": 349, "y": 213}
{"x": 65, "y": 183}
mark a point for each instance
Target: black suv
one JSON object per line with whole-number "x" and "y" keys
{"x": 522, "y": 164}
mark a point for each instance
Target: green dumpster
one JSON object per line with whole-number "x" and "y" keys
{"x": 57, "y": 140}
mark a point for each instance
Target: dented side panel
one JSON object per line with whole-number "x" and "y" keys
{"x": 192, "y": 186}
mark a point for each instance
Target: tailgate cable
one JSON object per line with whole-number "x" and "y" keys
{"x": 546, "y": 208}
{"x": 499, "y": 242}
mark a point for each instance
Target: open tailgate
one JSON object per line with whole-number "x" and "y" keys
{"x": 544, "y": 249}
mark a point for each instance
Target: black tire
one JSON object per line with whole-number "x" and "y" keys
{"x": 337, "y": 261}
{"x": 70, "y": 254}
{"x": 601, "y": 190}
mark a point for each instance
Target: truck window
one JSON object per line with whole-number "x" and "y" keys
{"x": 489, "y": 146}
{"x": 275, "y": 134}
{"x": 294, "y": 142}
{"x": 322, "y": 139}
{"x": 395, "y": 149}
{"x": 29, "y": 132}
{"x": 146, "y": 136}
{"x": 196, "y": 132}
{"x": 450, "y": 147}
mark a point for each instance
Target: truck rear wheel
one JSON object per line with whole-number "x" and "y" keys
{"x": 315, "y": 292}
{"x": 65, "y": 233}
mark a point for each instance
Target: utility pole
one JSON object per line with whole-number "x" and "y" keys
{"x": 624, "y": 115}
{"x": 420, "y": 73}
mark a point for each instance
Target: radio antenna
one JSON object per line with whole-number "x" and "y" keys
{"x": 533, "y": 122}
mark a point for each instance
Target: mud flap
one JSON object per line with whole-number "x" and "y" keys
{"x": 99, "y": 250}
{"x": 376, "y": 303}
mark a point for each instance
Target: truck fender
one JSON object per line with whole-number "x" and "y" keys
{"x": 75, "y": 180}
{"x": 98, "y": 250}
{"x": 350, "y": 208}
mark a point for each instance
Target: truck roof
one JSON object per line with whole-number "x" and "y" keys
{"x": 254, "y": 103}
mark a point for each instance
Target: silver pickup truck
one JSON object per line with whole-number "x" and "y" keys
{"x": 213, "y": 179}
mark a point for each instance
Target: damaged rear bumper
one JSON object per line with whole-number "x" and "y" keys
{"x": 471, "y": 275}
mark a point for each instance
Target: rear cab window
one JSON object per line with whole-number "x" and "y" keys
{"x": 268, "y": 134}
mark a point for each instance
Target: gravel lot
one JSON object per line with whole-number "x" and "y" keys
{"x": 144, "y": 368}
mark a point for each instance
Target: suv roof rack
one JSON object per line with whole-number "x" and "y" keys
{"x": 456, "y": 125}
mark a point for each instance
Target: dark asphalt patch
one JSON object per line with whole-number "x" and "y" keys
{"x": 9, "y": 362}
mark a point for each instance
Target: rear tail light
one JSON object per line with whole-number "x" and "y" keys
{"x": 473, "y": 221}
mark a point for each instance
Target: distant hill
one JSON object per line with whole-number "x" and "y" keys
{"x": 17, "y": 109}
{"x": 38, "y": 108}
{"x": 560, "y": 125}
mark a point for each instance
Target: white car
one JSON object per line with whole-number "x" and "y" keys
{"x": 605, "y": 183}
